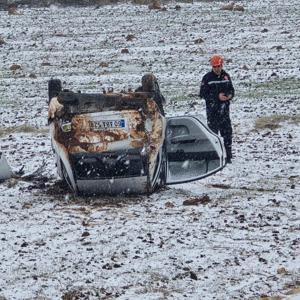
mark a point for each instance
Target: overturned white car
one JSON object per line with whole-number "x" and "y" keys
{"x": 122, "y": 143}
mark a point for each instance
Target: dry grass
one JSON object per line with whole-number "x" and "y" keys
{"x": 271, "y": 298}
{"x": 273, "y": 122}
{"x": 294, "y": 291}
{"x": 5, "y": 131}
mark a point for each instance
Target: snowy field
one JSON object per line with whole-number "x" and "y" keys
{"x": 243, "y": 243}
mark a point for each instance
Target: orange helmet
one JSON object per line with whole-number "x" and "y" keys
{"x": 216, "y": 60}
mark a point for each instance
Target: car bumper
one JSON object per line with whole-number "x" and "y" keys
{"x": 115, "y": 186}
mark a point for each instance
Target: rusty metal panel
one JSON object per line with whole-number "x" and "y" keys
{"x": 79, "y": 134}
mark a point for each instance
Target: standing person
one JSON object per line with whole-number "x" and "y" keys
{"x": 217, "y": 90}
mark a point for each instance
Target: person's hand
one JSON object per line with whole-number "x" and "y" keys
{"x": 223, "y": 97}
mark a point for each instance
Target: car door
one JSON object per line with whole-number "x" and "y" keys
{"x": 193, "y": 151}
{"x": 5, "y": 170}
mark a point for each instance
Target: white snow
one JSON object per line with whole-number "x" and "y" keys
{"x": 243, "y": 244}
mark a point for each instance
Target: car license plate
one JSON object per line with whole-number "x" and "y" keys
{"x": 107, "y": 124}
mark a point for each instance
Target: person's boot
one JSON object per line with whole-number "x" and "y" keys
{"x": 228, "y": 154}
{"x": 228, "y": 160}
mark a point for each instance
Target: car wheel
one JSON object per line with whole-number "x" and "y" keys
{"x": 54, "y": 88}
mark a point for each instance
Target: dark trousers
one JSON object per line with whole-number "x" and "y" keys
{"x": 218, "y": 120}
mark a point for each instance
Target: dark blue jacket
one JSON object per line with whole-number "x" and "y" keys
{"x": 213, "y": 84}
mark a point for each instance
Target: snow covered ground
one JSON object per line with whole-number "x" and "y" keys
{"x": 244, "y": 243}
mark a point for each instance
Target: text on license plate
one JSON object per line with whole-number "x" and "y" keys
{"x": 107, "y": 124}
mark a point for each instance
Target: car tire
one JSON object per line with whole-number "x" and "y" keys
{"x": 54, "y": 88}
